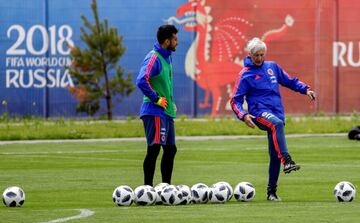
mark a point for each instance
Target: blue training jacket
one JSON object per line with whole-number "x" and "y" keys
{"x": 260, "y": 86}
{"x": 151, "y": 67}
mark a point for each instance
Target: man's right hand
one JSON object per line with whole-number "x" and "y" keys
{"x": 162, "y": 102}
{"x": 248, "y": 120}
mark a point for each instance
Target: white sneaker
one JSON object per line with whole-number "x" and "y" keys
{"x": 273, "y": 197}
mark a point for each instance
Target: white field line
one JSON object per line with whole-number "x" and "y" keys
{"x": 186, "y": 138}
{"x": 62, "y": 152}
{"x": 242, "y": 148}
{"x": 84, "y": 213}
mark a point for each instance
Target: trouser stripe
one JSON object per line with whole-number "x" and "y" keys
{"x": 274, "y": 136}
{"x": 157, "y": 130}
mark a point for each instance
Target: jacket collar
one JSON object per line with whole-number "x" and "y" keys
{"x": 164, "y": 52}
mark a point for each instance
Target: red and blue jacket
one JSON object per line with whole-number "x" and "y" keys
{"x": 260, "y": 86}
{"x": 151, "y": 67}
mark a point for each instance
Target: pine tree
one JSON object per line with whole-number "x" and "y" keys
{"x": 95, "y": 69}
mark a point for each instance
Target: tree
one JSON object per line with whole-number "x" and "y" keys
{"x": 95, "y": 69}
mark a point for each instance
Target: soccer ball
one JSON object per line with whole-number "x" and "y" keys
{"x": 186, "y": 194}
{"x": 244, "y": 191}
{"x": 123, "y": 196}
{"x": 218, "y": 193}
{"x": 14, "y": 197}
{"x": 230, "y": 189}
{"x": 344, "y": 191}
{"x": 199, "y": 193}
{"x": 170, "y": 195}
{"x": 158, "y": 188}
{"x": 145, "y": 195}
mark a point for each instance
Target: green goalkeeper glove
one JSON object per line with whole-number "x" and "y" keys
{"x": 162, "y": 102}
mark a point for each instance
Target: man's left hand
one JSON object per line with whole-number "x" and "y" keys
{"x": 311, "y": 94}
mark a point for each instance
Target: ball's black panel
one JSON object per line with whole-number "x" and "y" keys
{"x": 127, "y": 189}
{"x": 342, "y": 186}
{"x": 126, "y": 198}
{"x": 195, "y": 194}
{"x": 250, "y": 195}
{"x": 10, "y": 194}
{"x": 352, "y": 186}
{"x": 171, "y": 199}
{"x": 347, "y": 193}
{"x": 250, "y": 185}
{"x": 12, "y": 204}
{"x": 143, "y": 203}
{"x": 141, "y": 193}
{"x": 21, "y": 193}
{"x": 204, "y": 198}
{"x": 163, "y": 199}
{"x": 219, "y": 197}
{"x": 242, "y": 190}
{"x": 150, "y": 196}
{"x": 340, "y": 199}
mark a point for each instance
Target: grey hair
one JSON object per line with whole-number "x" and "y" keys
{"x": 255, "y": 45}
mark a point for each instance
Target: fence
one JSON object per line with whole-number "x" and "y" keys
{"x": 315, "y": 40}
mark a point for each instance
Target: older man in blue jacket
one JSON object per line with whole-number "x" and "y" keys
{"x": 258, "y": 83}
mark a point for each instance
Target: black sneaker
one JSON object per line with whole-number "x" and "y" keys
{"x": 273, "y": 197}
{"x": 290, "y": 165}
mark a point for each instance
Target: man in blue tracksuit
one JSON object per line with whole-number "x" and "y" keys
{"x": 158, "y": 110}
{"x": 258, "y": 83}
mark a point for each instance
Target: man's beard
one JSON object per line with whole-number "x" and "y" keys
{"x": 171, "y": 48}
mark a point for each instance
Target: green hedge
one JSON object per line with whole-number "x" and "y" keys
{"x": 29, "y": 129}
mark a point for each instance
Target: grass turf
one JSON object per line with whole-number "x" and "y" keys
{"x": 60, "y": 177}
{"x": 30, "y": 129}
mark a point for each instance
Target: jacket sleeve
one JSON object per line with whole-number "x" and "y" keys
{"x": 237, "y": 98}
{"x": 150, "y": 68}
{"x": 291, "y": 82}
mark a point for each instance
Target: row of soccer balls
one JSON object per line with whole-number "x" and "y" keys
{"x": 220, "y": 192}
{"x": 164, "y": 193}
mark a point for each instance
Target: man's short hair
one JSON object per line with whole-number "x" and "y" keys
{"x": 255, "y": 45}
{"x": 165, "y": 32}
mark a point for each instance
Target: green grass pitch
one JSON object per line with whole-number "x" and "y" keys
{"x": 61, "y": 177}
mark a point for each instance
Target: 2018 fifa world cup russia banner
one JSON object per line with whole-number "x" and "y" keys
{"x": 29, "y": 66}
{"x": 313, "y": 40}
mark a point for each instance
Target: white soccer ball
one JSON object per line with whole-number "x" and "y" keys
{"x": 344, "y": 191}
{"x": 170, "y": 195}
{"x": 218, "y": 193}
{"x": 244, "y": 191}
{"x": 230, "y": 189}
{"x": 123, "y": 196}
{"x": 199, "y": 193}
{"x": 145, "y": 195}
{"x": 158, "y": 188}
{"x": 14, "y": 197}
{"x": 186, "y": 194}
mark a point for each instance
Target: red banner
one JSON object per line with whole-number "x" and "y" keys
{"x": 316, "y": 41}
